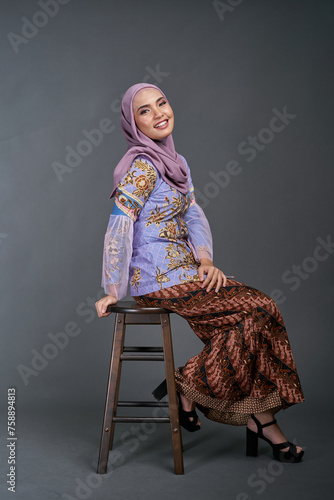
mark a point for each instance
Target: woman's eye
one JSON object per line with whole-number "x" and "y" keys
{"x": 143, "y": 111}
{"x": 162, "y": 103}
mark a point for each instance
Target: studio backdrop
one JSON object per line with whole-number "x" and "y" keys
{"x": 250, "y": 83}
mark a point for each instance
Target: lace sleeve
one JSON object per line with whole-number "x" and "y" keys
{"x": 117, "y": 254}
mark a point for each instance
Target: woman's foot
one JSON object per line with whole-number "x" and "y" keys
{"x": 188, "y": 405}
{"x": 187, "y": 414}
{"x": 272, "y": 432}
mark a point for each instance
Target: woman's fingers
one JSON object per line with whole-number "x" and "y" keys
{"x": 214, "y": 278}
{"x": 209, "y": 272}
{"x": 102, "y": 305}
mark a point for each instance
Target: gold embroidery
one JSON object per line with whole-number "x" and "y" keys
{"x": 179, "y": 256}
{"x": 136, "y": 278}
{"x": 156, "y": 216}
{"x": 160, "y": 277}
{"x": 170, "y": 231}
{"x": 178, "y": 202}
{"x": 185, "y": 278}
{"x": 144, "y": 183}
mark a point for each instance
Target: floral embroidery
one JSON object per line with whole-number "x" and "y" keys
{"x": 128, "y": 179}
{"x": 160, "y": 230}
{"x": 170, "y": 231}
{"x": 179, "y": 256}
{"x": 160, "y": 277}
{"x": 136, "y": 278}
{"x": 178, "y": 203}
{"x": 185, "y": 278}
{"x": 144, "y": 183}
{"x": 156, "y": 216}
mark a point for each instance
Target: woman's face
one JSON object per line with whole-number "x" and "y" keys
{"x": 152, "y": 113}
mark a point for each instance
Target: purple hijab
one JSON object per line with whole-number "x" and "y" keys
{"x": 162, "y": 153}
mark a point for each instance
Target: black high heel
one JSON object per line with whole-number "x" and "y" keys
{"x": 184, "y": 416}
{"x": 291, "y": 455}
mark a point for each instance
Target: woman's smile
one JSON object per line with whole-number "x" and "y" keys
{"x": 162, "y": 124}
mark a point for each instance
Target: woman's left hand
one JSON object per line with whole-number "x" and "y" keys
{"x": 214, "y": 276}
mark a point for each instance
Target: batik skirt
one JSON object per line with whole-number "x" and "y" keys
{"x": 246, "y": 365}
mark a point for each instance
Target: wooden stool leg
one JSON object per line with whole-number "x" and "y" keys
{"x": 172, "y": 396}
{"x": 110, "y": 409}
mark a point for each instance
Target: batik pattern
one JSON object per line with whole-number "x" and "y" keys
{"x": 246, "y": 365}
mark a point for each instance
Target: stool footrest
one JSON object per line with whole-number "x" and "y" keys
{"x": 143, "y": 404}
{"x": 142, "y": 357}
{"x": 142, "y": 349}
{"x": 163, "y": 420}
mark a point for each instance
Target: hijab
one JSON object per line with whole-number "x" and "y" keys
{"x": 161, "y": 152}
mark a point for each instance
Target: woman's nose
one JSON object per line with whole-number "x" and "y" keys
{"x": 157, "y": 113}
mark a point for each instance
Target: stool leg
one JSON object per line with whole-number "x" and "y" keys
{"x": 110, "y": 409}
{"x": 172, "y": 396}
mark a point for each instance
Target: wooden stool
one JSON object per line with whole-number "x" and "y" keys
{"x": 129, "y": 313}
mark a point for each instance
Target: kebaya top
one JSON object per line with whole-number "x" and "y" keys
{"x": 156, "y": 235}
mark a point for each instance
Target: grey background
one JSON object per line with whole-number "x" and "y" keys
{"x": 223, "y": 76}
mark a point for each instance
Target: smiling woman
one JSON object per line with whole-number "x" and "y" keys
{"x": 153, "y": 114}
{"x": 160, "y": 240}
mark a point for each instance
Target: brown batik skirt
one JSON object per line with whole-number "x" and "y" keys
{"x": 246, "y": 365}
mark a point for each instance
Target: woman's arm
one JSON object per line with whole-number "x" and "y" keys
{"x": 200, "y": 240}
{"x": 117, "y": 253}
{"x": 118, "y": 242}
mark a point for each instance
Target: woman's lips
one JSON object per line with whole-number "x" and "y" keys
{"x": 161, "y": 125}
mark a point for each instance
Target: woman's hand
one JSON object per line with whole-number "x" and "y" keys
{"x": 102, "y": 305}
{"x": 214, "y": 277}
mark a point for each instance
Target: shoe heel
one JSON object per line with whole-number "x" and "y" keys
{"x": 251, "y": 443}
{"x": 160, "y": 391}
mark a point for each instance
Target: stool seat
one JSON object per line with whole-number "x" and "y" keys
{"x": 132, "y": 307}
{"x": 130, "y": 313}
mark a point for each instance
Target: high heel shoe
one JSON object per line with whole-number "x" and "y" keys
{"x": 291, "y": 455}
{"x": 184, "y": 416}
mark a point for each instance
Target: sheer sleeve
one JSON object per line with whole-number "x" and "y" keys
{"x": 130, "y": 196}
{"x": 200, "y": 237}
{"x": 117, "y": 254}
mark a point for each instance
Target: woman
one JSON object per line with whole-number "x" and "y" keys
{"x": 159, "y": 238}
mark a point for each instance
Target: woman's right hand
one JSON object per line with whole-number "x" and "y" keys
{"x": 102, "y": 305}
